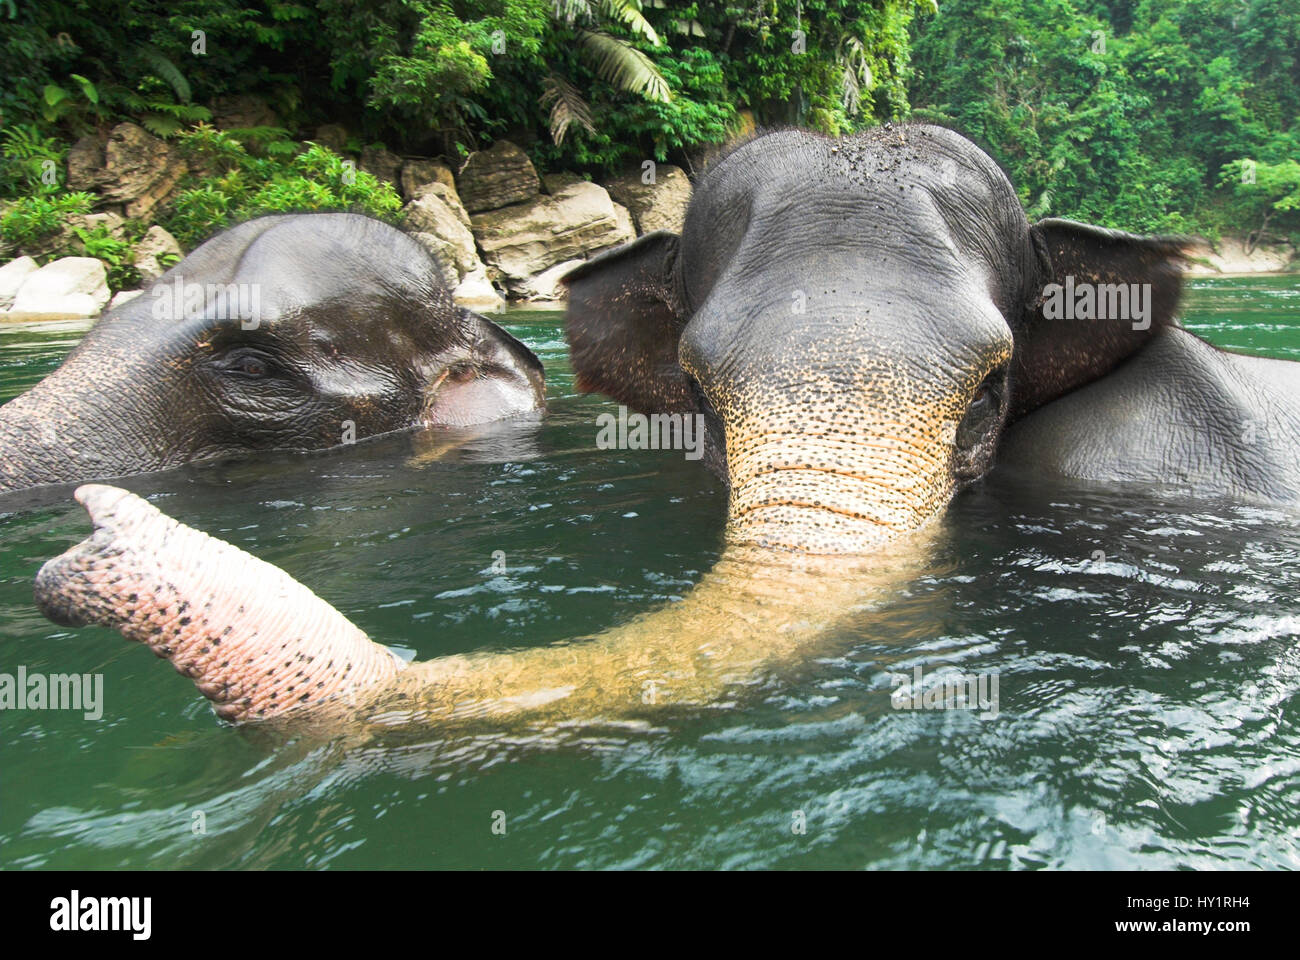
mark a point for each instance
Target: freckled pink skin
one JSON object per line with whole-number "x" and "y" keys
{"x": 257, "y": 643}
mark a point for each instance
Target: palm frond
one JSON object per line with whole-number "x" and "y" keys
{"x": 570, "y": 12}
{"x": 567, "y": 107}
{"x": 628, "y": 13}
{"x": 623, "y": 65}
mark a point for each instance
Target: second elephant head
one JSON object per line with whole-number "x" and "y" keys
{"x": 299, "y": 332}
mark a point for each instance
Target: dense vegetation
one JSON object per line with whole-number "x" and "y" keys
{"x": 1142, "y": 114}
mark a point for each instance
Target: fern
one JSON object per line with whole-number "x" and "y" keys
{"x": 165, "y": 69}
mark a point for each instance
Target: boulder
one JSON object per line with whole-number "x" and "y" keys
{"x": 654, "y": 206}
{"x": 522, "y": 241}
{"x": 123, "y": 296}
{"x": 477, "y": 293}
{"x": 443, "y": 226}
{"x": 444, "y": 254}
{"x": 331, "y": 135}
{"x": 553, "y": 183}
{"x": 240, "y": 111}
{"x": 546, "y": 285}
{"x": 494, "y": 178}
{"x": 448, "y": 196}
{"x": 417, "y": 174}
{"x": 154, "y": 244}
{"x": 381, "y": 163}
{"x": 129, "y": 167}
{"x": 72, "y": 287}
{"x": 12, "y": 276}
{"x": 626, "y": 226}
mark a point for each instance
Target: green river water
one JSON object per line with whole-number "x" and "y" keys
{"x": 1148, "y": 702}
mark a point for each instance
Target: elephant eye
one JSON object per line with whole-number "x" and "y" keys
{"x": 990, "y": 390}
{"x": 247, "y": 364}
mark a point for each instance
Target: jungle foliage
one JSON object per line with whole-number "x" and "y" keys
{"x": 1143, "y": 114}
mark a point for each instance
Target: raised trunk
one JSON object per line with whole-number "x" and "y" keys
{"x": 261, "y": 646}
{"x": 255, "y": 641}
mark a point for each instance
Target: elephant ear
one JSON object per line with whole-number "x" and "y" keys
{"x": 623, "y": 325}
{"x": 1062, "y": 345}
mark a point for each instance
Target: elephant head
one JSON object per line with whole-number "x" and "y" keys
{"x": 857, "y": 320}
{"x": 286, "y": 332}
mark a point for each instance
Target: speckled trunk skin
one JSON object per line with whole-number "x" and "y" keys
{"x": 257, "y": 643}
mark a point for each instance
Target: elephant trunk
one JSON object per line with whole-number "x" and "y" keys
{"x": 260, "y": 645}
{"x": 82, "y": 421}
{"x": 256, "y": 642}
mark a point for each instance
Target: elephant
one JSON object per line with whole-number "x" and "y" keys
{"x": 856, "y": 322}
{"x": 294, "y": 331}
{"x": 859, "y": 321}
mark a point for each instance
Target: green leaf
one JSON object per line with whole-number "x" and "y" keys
{"x": 87, "y": 88}
{"x": 624, "y": 66}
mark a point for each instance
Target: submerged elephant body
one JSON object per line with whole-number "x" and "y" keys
{"x": 1179, "y": 412}
{"x": 858, "y": 321}
{"x": 296, "y": 332}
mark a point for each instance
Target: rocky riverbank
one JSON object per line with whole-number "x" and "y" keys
{"x": 501, "y": 232}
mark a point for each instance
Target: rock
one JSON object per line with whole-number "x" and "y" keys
{"x": 72, "y": 287}
{"x": 123, "y": 296}
{"x": 155, "y": 243}
{"x": 448, "y": 196}
{"x": 654, "y": 206}
{"x": 494, "y": 178}
{"x": 241, "y": 111}
{"x": 446, "y": 227}
{"x": 130, "y": 167}
{"x": 546, "y": 285}
{"x": 331, "y": 135}
{"x": 477, "y": 293}
{"x": 417, "y": 174}
{"x": 623, "y": 217}
{"x": 381, "y": 163}
{"x": 553, "y": 183}
{"x": 521, "y": 241}
{"x": 12, "y": 276}
{"x": 444, "y": 254}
